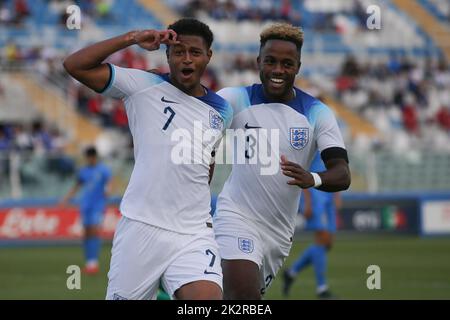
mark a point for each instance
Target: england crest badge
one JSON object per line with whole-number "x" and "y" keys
{"x": 245, "y": 245}
{"x": 215, "y": 120}
{"x": 298, "y": 137}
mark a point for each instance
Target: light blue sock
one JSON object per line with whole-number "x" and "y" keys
{"x": 305, "y": 260}
{"x": 319, "y": 261}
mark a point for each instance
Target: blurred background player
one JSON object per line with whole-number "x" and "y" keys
{"x": 319, "y": 209}
{"x": 93, "y": 179}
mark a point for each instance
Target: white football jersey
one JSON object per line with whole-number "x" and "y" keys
{"x": 173, "y": 136}
{"x": 305, "y": 125}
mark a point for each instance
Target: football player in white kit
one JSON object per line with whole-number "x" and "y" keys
{"x": 255, "y": 216}
{"x": 165, "y": 234}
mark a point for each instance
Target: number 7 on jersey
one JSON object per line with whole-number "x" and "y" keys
{"x": 172, "y": 114}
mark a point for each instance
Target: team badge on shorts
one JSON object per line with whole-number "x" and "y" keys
{"x": 298, "y": 137}
{"x": 245, "y": 245}
{"x": 215, "y": 120}
{"x": 118, "y": 297}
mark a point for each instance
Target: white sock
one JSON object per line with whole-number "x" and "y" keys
{"x": 321, "y": 289}
{"x": 92, "y": 263}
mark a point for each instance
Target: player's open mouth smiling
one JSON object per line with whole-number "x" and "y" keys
{"x": 276, "y": 82}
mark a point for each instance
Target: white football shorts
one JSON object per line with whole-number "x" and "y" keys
{"x": 243, "y": 239}
{"x": 145, "y": 256}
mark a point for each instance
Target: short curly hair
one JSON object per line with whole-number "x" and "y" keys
{"x": 282, "y": 31}
{"x": 193, "y": 27}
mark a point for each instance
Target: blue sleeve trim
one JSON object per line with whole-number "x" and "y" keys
{"x": 316, "y": 110}
{"x": 245, "y": 96}
{"x": 220, "y": 105}
{"x": 237, "y": 97}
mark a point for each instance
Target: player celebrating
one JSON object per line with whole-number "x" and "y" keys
{"x": 93, "y": 179}
{"x": 255, "y": 216}
{"x": 165, "y": 234}
{"x": 319, "y": 210}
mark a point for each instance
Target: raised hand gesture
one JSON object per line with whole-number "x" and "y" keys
{"x": 152, "y": 39}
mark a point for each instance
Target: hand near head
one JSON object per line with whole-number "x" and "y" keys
{"x": 301, "y": 177}
{"x": 152, "y": 39}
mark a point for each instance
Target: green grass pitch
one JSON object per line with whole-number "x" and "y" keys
{"x": 411, "y": 268}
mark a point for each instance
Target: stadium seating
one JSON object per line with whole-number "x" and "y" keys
{"x": 14, "y": 105}
{"x": 333, "y": 33}
{"x": 45, "y": 25}
{"x": 439, "y": 8}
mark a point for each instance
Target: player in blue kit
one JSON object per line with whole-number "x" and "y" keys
{"x": 93, "y": 180}
{"x": 319, "y": 209}
{"x": 165, "y": 235}
{"x": 256, "y": 211}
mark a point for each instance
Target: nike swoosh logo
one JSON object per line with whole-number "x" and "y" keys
{"x": 207, "y": 272}
{"x": 250, "y": 127}
{"x": 168, "y": 101}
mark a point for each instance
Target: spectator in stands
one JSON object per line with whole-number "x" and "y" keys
{"x": 350, "y": 67}
{"x": 103, "y": 9}
{"x": 443, "y": 118}
{"x": 94, "y": 104}
{"x": 209, "y": 80}
{"x": 394, "y": 65}
{"x": 83, "y": 95}
{"x": 40, "y": 138}
{"x": 12, "y": 53}
{"x": 410, "y": 120}
{"x": 289, "y": 14}
{"x": 5, "y": 143}
{"x": 59, "y": 161}
{"x": 21, "y": 11}
{"x": 4, "y": 151}
{"x": 5, "y": 14}
{"x": 119, "y": 116}
{"x": 234, "y": 10}
{"x": 22, "y": 138}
